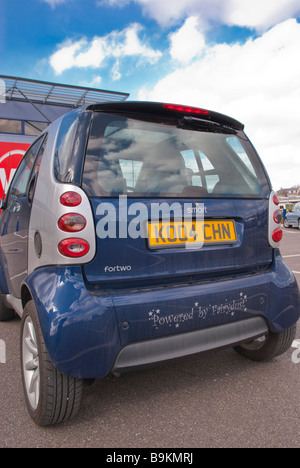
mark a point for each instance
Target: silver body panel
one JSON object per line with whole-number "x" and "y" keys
{"x": 47, "y": 210}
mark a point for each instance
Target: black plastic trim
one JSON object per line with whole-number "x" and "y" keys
{"x": 157, "y": 109}
{"x": 144, "y": 353}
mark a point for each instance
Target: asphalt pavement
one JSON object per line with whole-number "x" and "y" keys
{"x": 217, "y": 399}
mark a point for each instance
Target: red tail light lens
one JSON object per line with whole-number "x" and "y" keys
{"x": 187, "y": 109}
{"x": 277, "y": 235}
{"x": 72, "y": 222}
{"x": 70, "y": 199}
{"x": 73, "y": 247}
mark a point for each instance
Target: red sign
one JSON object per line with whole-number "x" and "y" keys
{"x": 10, "y": 158}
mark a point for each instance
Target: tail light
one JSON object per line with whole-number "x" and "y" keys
{"x": 73, "y": 247}
{"x": 277, "y": 216}
{"x": 70, "y": 199}
{"x": 187, "y": 109}
{"x": 72, "y": 222}
{"x": 275, "y": 220}
{"x": 277, "y": 235}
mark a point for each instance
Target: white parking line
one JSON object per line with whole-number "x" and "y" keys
{"x": 291, "y": 256}
{"x": 296, "y": 272}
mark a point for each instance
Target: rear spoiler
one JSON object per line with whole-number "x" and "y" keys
{"x": 164, "y": 110}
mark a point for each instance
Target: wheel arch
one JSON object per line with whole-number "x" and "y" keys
{"x": 26, "y": 295}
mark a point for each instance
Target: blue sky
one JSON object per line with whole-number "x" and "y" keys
{"x": 240, "y": 57}
{"x": 31, "y": 31}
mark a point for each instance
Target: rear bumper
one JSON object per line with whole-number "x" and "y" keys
{"x": 88, "y": 334}
{"x": 140, "y": 354}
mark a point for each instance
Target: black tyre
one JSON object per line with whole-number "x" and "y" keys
{"x": 51, "y": 397}
{"x": 268, "y": 346}
{"x": 286, "y": 224}
{"x": 6, "y": 313}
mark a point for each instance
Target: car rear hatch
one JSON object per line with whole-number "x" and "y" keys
{"x": 179, "y": 196}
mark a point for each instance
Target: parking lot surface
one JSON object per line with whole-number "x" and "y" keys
{"x": 217, "y": 399}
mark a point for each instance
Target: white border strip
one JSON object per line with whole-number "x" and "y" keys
{"x": 291, "y": 256}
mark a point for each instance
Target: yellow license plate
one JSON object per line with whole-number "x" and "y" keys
{"x": 175, "y": 233}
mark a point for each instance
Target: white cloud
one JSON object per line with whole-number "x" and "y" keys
{"x": 54, "y": 3}
{"x": 116, "y": 44}
{"x": 256, "y": 14}
{"x": 167, "y": 12}
{"x": 260, "y": 14}
{"x": 258, "y": 83}
{"x": 65, "y": 57}
{"x": 94, "y": 83}
{"x": 116, "y": 74}
{"x": 127, "y": 42}
{"x": 90, "y": 54}
{"x": 187, "y": 42}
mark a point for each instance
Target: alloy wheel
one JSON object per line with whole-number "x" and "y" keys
{"x": 30, "y": 363}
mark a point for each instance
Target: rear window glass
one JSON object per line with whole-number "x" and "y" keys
{"x": 143, "y": 159}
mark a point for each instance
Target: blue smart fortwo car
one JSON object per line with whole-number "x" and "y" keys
{"x": 135, "y": 233}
